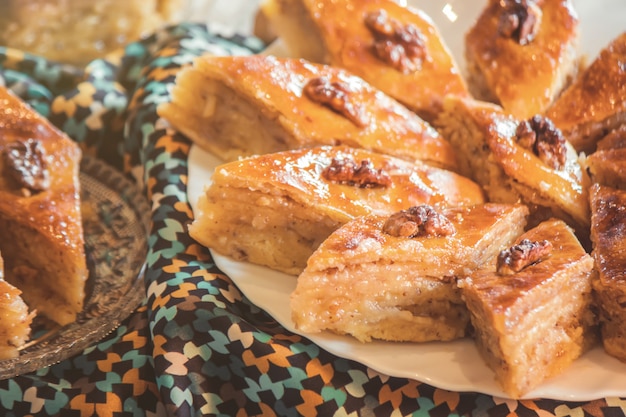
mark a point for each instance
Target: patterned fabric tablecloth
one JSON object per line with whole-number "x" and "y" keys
{"x": 196, "y": 345}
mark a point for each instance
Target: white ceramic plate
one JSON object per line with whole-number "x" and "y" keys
{"x": 455, "y": 365}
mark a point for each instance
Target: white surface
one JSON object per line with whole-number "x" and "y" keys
{"x": 224, "y": 16}
{"x": 453, "y": 365}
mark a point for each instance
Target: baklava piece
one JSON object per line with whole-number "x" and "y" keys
{"x": 78, "y": 31}
{"x": 275, "y": 209}
{"x": 608, "y": 167}
{"x": 247, "y": 105}
{"x": 615, "y": 139}
{"x": 393, "y": 277}
{"x": 607, "y": 164}
{"x": 395, "y": 48}
{"x": 15, "y": 319}
{"x": 522, "y": 53}
{"x": 40, "y": 219}
{"x": 525, "y": 161}
{"x": 594, "y": 104}
{"x": 531, "y": 308}
{"x": 608, "y": 234}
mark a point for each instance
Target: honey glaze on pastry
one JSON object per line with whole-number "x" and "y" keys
{"x": 393, "y": 277}
{"x": 516, "y": 160}
{"x": 594, "y": 104}
{"x": 521, "y": 54}
{"x": 40, "y": 218}
{"x": 608, "y": 167}
{"x": 248, "y": 105}
{"x": 395, "y": 48}
{"x": 532, "y": 314}
{"x": 301, "y": 196}
{"x": 608, "y": 234}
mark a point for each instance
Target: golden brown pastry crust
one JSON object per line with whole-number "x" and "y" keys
{"x": 523, "y": 79}
{"x": 43, "y": 232}
{"x": 608, "y": 225}
{"x": 294, "y": 200}
{"x": 608, "y": 167}
{"x": 532, "y": 324}
{"x": 335, "y": 33}
{"x": 594, "y": 104}
{"x": 370, "y": 284}
{"x": 280, "y": 116}
{"x": 616, "y": 139}
{"x": 607, "y": 164}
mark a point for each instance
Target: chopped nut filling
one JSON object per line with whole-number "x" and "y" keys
{"x": 364, "y": 175}
{"x": 401, "y": 46}
{"x": 416, "y": 221}
{"x": 26, "y": 167}
{"x": 520, "y": 256}
{"x": 544, "y": 139}
{"x": 520, "y": 20}
{"x": 336, "y": 96}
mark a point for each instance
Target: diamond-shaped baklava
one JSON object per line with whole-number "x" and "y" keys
{"x": 531, "y": 308}
{"x": 248, "y": 105}
{"x": 394, "y": 47}
{"x": 522, "y": 53}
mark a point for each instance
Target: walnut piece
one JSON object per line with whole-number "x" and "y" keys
{"x": 520, "y": 256}
{"x": 520, "y": 20}
{"x": 335, "y": 95}
{"x": 416, "y": 221}
{"x": 401, "y": 46}
{"x": 26, "y": 167}
{"x": 363, "y": 175}
{"x": 544, "y": 139}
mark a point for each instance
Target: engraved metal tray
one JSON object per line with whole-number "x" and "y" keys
{"x": 116, "y": 218}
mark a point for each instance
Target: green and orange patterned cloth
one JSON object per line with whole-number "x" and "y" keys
{"x": 196, "y": 346}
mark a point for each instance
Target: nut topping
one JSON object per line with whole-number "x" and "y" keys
{"x": 544, "y": 139}
{"x": 520, "y": 256}
{"x": 401, "y": 46}
{"x": 26, "y": 167}
{"x": 416, "y": 221}
{"x": 364, "y": 175}
{"x": 336, "y": 96}
{"x": 520, "y": 20}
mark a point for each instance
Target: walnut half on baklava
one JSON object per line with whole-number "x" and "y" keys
{"x": 393, "y": 277}
{"x": 275, "y": 209}
{"x": 531, "y": 309}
